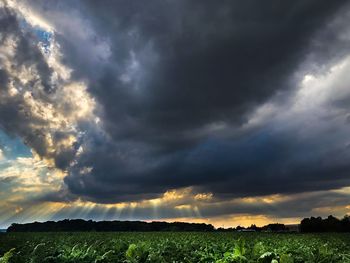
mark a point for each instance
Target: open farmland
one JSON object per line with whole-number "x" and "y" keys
{"x": 133, "y": 247}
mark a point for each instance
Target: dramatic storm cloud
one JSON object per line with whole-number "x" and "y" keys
{"x": 177, "y": 110}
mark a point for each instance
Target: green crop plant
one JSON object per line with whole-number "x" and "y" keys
{"x": 174, "y": 247}
{"x": 7, "y": 256}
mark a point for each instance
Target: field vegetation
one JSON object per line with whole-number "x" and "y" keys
{"x": 176, "y": 247}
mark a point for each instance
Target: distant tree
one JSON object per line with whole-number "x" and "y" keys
{"x": 275, "y": 227}
{"x": 254, "y": 227}
{"x": 329, "y": 224}
{"x": 345, "y": 223}
{"x": 239, "y": 228}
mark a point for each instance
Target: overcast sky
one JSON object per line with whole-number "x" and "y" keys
{"x": 225, "y": 112}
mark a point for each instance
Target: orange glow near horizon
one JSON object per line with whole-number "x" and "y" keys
{"x": 184, "y": 204}
{"x": 234, "y": 221}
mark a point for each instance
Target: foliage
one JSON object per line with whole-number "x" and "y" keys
{"x": 176, "y": 247}
{"x": 80, "y": 225}
{"x": 137, "y": 253}
{"x": 329, "y": 224}
{"x": 6, "y": 257}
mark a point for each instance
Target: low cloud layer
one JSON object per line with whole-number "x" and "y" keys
{"x": 130, "y": 101}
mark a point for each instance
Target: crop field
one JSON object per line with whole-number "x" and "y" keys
{"x": 167, "y": 247}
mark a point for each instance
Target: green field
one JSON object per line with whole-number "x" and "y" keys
{"x": 174, "y": 247}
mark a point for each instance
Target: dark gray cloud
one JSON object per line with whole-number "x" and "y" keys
{"x": 178, "y": 85}
{"x": 178, "y": 68}
{"x": 212, "y": 62}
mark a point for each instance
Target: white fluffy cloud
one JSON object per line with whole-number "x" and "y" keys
{"x": 40, "y": 102}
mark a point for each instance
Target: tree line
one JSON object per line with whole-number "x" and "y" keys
{"x": 307, "y": 225}
{"x": 79, "y": 225}
{"x": 276, "y": 227}
{"x": 329, "y": 224}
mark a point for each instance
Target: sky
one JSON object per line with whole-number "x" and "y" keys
{"x": 223, "y": 112}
